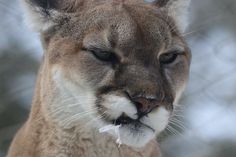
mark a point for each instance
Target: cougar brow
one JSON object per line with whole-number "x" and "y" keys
{"x": 98, "y": 40}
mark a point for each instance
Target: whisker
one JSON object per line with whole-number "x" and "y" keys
{"x": 65, "y": 100}
{"x": 178, "y": 124}
{"x": 173, "y": 131}
{"x": 62, "y": 107}
{"x": 94, "y": 119}
{"x": 78, "y": 116}
{"x": 177, "y": 115}
{"x": 203, "y": 25}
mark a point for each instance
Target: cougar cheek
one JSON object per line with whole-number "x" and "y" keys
{"x": 74, "y": 99}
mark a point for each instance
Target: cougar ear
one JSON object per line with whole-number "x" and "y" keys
{"x": 43, "y": 14}
{"x": 178, "y": 10}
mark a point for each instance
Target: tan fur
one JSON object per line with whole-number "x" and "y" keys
{"x": 71, "y": 80}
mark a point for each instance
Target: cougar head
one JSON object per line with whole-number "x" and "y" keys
{"x": 112, "y": 62}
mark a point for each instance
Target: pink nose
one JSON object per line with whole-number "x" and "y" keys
{"x": 145, "y": 105}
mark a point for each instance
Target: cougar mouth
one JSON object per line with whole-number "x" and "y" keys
{"x": 122, "y": 120}
{"x": 136, "y": 123}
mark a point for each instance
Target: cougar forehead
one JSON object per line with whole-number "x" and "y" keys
{"x": 127, "y": 28}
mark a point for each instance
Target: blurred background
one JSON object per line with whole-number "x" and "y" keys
{"x": 205, "y": 122}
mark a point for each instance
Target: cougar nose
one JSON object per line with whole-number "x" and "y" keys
{"x": 144, "y": 104}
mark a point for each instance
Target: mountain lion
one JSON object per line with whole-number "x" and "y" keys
{"x": 118, "y": 64}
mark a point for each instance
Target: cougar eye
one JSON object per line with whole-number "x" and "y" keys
{"x": 168, "y": 58}
{"x": 105, "y": 56}
{"x": 102, "y": 55}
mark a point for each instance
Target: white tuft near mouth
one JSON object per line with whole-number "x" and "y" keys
{"x": 130, "y": 128}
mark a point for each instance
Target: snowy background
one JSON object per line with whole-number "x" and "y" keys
{"x": 205, "y": 125}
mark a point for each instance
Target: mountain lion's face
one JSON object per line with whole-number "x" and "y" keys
{"x": 119, "y": 64}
